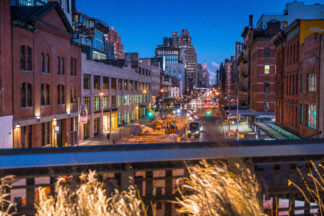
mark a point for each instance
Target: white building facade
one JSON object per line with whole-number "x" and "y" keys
{"x": 114, "y": 95}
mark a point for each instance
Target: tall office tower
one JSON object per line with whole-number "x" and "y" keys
{"x": 179, "y": 50}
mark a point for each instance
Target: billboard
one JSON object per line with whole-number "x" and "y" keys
{"x": 83, "y": 114}
{"x": 309, "y": 27}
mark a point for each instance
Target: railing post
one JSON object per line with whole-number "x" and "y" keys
{"x": 125, "y": 177}
{"x": 30, "y": 194}
{"x": 168, "y": 192}
{"x": 148, "y": 190}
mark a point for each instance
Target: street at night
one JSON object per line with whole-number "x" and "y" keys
{"x": 161, "y": 108}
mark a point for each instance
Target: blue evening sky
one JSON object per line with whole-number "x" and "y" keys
{"x": 214, "y": 25}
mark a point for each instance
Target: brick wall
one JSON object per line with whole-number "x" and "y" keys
{"x": 5, "y": 59}
{"x": 55, "y": 43}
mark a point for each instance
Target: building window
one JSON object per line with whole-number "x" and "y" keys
{"x": 73, "y": 66}
{"x": 135, "y": 86}
{"x": 96, "y": 82}
{"x": 311, "y": 82}
{"x": 284, "y": 24}
{"x": 266, "y": 69}
{"x": 26, "y": 136}
{"x": 301, "y": 83}
{"x": 86, "y": 81}
{"x": 45, "y": 94}
{"x": 113, "y": 83}
{"x": 105, "y": 102}
{"x": 301, "y": 114}
{"x": 60, "y": 94}
{"x": 96, "y": 126}
{"x": 120, "y": 84}
{"x": 311, "y": 116}
{"x": 47, "y": 63}
{"x": 266, "y": 52}
{"x": 120, "y": 100}
{"x": 73, "y": 95}
{"x": 58, "y": 65}
{"x": 62, "y": 65}
{"x": 43, "y": 63}
{"x": 86, "y": 101}
{"x": 25, "y": 58}
{"x": 266, "y": 106}
{"x": 126, "y": 100}
{"x": 46, "y": 128}
{"x": 113, "y": 101}
{"x": 26, "y": 95}
{"x": 105, "y": 83}
{"x": 130, "y": 85}
{"x": 22, "y": 58}
{"x": 29, "y": 59}
{"x": 125, "y": 84}
{"x": 96, "y": 103}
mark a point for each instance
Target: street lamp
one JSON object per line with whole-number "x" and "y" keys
{"x": 162, "y": 91}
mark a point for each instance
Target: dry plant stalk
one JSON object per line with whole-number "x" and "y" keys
{"x": 313, "y": 188}
{"x": 221, "y": 188}
{"x": 88, "y": 199}
{"x": 6, "y": 207}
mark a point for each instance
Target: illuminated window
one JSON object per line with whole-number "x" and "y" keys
{"x": 105, "y": 102}
{"x": 266, "y": 69}
{"x": 311, "y": 116}
{"x": 311, "y": 82}
{"x": 96, "y": 103}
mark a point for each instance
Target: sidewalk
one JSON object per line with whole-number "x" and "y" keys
{"x": 101, "y": 139}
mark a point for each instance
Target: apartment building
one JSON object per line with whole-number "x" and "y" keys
{"x": 115, "y": 93}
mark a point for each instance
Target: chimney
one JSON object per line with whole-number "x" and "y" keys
{"x": 251, "y": 21}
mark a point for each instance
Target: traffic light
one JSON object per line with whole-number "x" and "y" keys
{"x": 150, "y": 114}
{"x": 208, "y": 112}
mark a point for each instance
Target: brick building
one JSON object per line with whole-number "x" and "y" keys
{"x": 114, "y": 39}
{"x": 259, "y": 52}
{"x": 5, "y": 76}
{"x": 47, "y": 77}
{"x": 299, "y": 95}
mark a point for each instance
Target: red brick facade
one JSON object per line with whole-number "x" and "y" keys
{"x": 5, "y": 59}
{"x": 262, "y": 78}
{"x": 298, "y": 107}
{"x": 37, "y": 115}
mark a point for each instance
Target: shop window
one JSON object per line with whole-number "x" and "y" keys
{"x": 46, "y": 132}
{"x": 96, "y": 103}
{"x": 105, "y": 102}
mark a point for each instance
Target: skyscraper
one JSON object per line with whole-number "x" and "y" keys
{"x": 180, "y": 48}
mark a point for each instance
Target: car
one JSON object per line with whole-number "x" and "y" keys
{"x": 193, "y": 129}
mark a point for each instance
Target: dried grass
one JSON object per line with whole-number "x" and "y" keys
{"x": 6, "y": 207}
{"x": 89, "y": 198}
{"x": 221, "y": 188}
{"x": 313, "y": 185}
